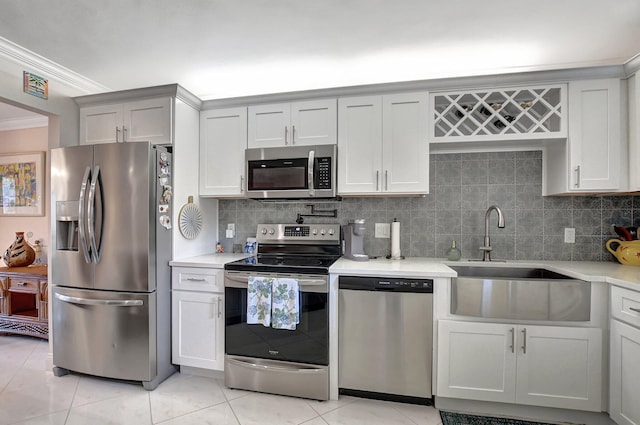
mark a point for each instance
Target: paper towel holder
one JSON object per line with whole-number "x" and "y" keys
{"x": 395, "y": 241}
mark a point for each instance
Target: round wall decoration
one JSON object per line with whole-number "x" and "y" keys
{"x": 190, "y": 220}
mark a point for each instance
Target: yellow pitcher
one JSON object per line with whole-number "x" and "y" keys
{"x": 627, "y": 252}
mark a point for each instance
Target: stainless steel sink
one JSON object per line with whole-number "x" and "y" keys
{"x": 515, "y": 293}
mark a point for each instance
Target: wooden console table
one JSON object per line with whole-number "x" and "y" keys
{"x": 24, "y": 301}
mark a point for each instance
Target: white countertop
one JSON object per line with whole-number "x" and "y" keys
{"x": 420, "y": 267}
{"x": 416, "y": 267}
{"x": 213, "y": 261}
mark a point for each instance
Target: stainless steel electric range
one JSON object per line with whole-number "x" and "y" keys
{"x": 282, "y": 361}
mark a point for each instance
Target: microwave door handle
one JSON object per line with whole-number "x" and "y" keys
{"x": 310, "y": 170}
{"x": 81, "y": 215}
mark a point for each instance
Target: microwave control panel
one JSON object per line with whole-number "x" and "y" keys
{"x": 323, "y": 177}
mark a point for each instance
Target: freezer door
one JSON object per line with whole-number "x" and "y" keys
{"x": 71, "y": 169}
{"x": 106, "y": 334}
{"x": 125, "y": 217}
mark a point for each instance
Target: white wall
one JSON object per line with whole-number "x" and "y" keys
{"x": 19, "y": 141}
{"x": 186, "y": 162}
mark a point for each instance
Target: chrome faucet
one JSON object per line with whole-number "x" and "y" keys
{"x": 486, "y": 249}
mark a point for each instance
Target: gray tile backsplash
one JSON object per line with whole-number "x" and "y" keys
{"x": 462, "y": 187}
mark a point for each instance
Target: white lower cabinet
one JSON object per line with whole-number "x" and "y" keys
{"x": 624, "y": 366}
{"x": 552, "y": 366}
{"x": 198, "y": 318}
{"x": 625, "y": 374}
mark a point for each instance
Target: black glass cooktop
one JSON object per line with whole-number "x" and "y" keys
{"x": 284, "y": 264}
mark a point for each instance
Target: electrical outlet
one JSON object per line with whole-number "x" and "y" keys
{"x": 569, "y": 235}
{"x": 231, "y": 226}
{"x": 383, "y": 230}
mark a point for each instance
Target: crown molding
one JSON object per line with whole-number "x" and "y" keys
{"x": 23, "y": 123}
{"x": 43, "y": 66}
{"x": 632, "y": 65}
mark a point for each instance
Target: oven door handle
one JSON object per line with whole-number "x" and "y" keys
{"x": 241, "y": 281}
{"x": 248, "y": 364}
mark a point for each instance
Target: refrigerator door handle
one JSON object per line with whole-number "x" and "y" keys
{"x": 91, "y": 225}
{"x": 81, "y": 214}
{"x": 111, "y": 303}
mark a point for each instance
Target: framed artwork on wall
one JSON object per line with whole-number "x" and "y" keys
{"x": 22, "y": 184}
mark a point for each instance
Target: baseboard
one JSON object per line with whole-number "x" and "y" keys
{"x": 207, "y": 373}
{"x": 530, "y": 413}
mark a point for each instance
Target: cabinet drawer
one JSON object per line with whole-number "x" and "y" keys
{"x": 198, "y": 279}
{"x": 625, "y": 305}
{"x": 18, "y": 284}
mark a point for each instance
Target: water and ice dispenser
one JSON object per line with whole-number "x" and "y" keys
{"x": 67, "y": 225}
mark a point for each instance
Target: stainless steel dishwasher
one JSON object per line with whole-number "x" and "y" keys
{"x": 386, "y": 338}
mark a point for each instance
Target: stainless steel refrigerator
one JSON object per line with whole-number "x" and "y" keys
{"x": 111, "y": 311}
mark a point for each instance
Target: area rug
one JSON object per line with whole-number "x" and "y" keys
{"x": 452, "y": 418}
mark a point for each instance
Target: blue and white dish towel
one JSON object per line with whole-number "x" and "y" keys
{"x": 273, "y": 302}
{"x": 285, "y": 308}
{"x": 259, "y": 300}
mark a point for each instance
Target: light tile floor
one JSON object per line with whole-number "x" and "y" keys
{"x": 31, "y": 394}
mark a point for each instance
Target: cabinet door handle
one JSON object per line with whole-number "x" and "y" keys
{"x": 124, "y": 133}
{"x": 577, "y": 183}
{"x": 219, "y": 307}
{"x": 286, "y": 135}
{"x": 195, "y": 279}
{"x": 386, "y": 180}
{"x": 117, "y": 133}
{"x": 513, "y": 340}
{"x": 524, "y": 341}
{"x": 377, "y": 180}
{"x": 293, "y": 134}
{"x": 637, "y": 310}
{"x": 241, "y": 184}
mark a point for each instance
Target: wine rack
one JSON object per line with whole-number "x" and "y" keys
{"x": 534, "y": 112}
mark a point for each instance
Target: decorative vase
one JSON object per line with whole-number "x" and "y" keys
{"x": 20, "y": 253}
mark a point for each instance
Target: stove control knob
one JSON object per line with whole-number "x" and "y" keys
{"x": 272, "y": 231}
{"x": 264, "y": 231}
{"x": 331, "y": 231}
{"x": 314, "y": 231}
{"x": 322, "y": 232}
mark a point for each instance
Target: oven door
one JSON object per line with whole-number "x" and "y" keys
{"x": 308, "y": 343}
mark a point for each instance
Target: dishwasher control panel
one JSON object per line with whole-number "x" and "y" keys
{"x": 371, "y": 283}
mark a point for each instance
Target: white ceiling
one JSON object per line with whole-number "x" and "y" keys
{"x": 14, "y": 118}
{"x": 229, "y": 48}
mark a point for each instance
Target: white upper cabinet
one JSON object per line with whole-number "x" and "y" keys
{"x": 223, "y": 139}
{"x": 142, "y": 120}
{"x": 509, "y": 113}
{"x": 593, "y": 160}
{"x": 634, "y": 133}
{"x": 293, "y": 124}
{"x": 359, "y": 144}
{"x": 382, "y": 145}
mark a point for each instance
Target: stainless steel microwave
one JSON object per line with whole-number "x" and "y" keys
{"x": 291, "y": 172}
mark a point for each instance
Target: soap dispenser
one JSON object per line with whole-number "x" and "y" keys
{"x": 453, "y": 253}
